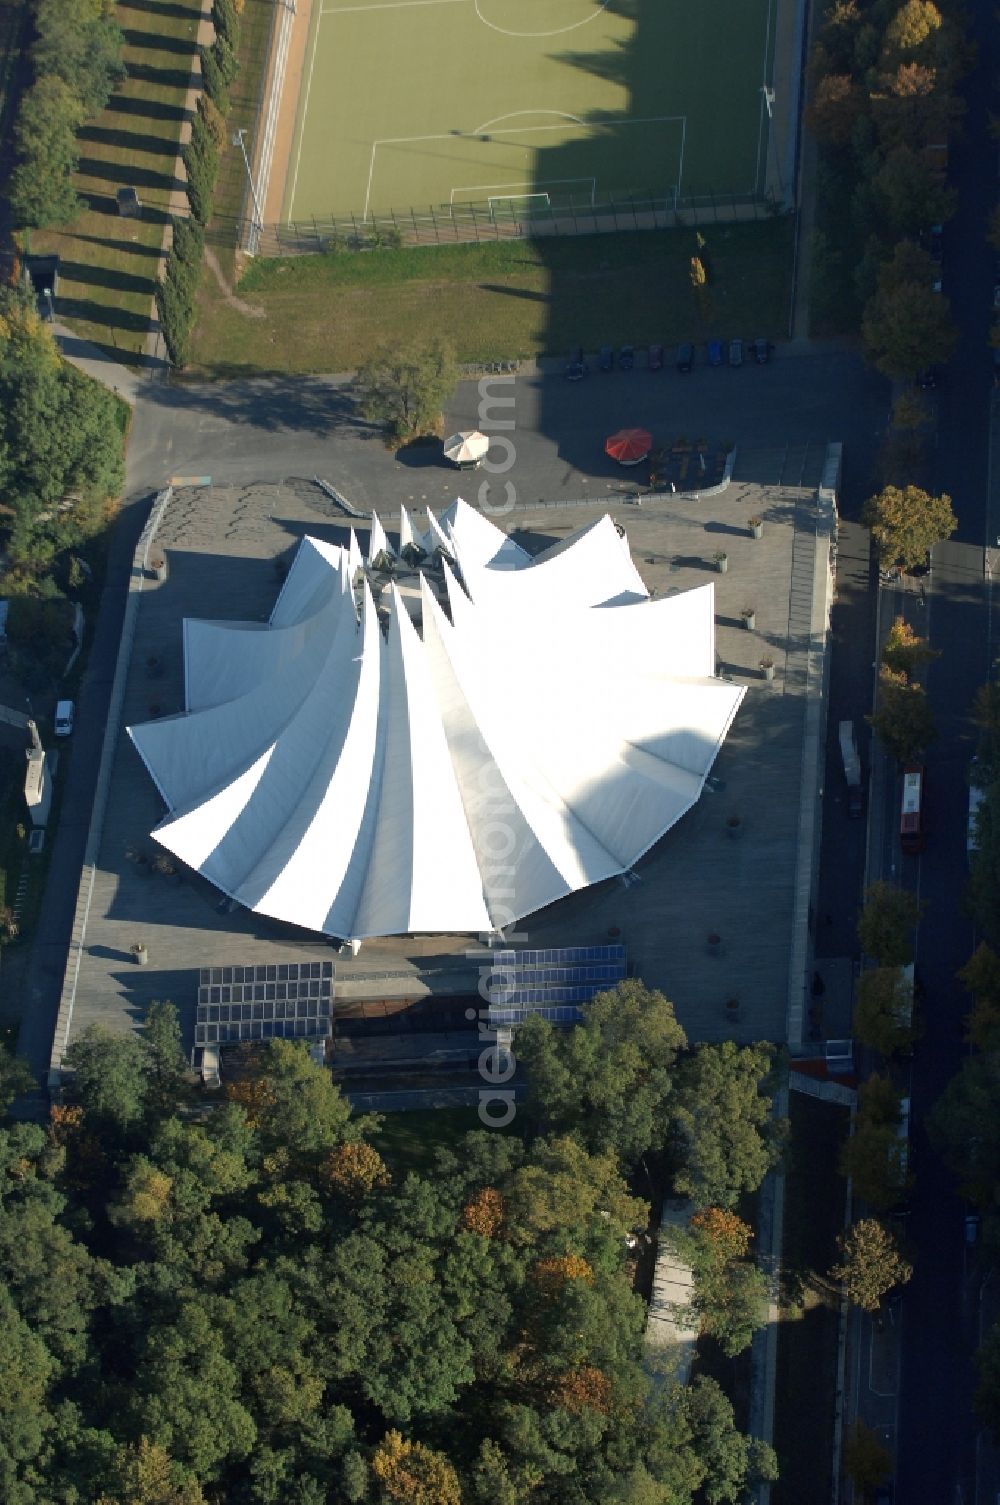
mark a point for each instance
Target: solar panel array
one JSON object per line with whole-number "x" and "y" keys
{"x": 286, "y": 1000}
{"x": 553, "y": 983}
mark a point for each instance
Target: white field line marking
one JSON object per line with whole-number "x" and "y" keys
{"x": 513, "y": 115}
{"x": 534, "y": 190}
{"x": 558, "y": 32}
{"x": 271, "y": 123}
{"x": 305, "y": 116}
{"x": 354, "y": 10}
{"x": 763, "y": 103}
{"x": 513, "y": 130}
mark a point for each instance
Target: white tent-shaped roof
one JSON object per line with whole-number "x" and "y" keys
{"x": 363, "y": 785}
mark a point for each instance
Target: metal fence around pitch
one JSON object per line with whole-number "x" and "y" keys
{"x": 502, "y": 219}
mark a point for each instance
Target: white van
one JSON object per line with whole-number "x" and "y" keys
{"x": 65, "y": 712}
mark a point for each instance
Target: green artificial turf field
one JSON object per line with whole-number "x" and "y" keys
{"x": 410, "y": 103}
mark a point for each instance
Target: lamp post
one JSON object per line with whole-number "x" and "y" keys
{"x": 239, "y": 139}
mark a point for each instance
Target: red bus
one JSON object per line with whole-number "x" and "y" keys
{"x": 913, "y": 815}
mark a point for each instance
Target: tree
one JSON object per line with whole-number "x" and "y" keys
{"x": 41, "y": 191}
{"x": 904, "y": 721}
{"x": 412, "y": 1474}
{"x": 984, "y": 867}
{"x": 883, "y": 1015}
{"x": 986, "y": 716}
{"x": 145, "y": 1474}
{"x": 906, "y": 524}
{"x": 870, "y": 1264}
{"x": 961, "y": 1126}
{"x": 16, "y": 1078}
{"x": 293, "y": 1102}
{"x": 77, "y": 43}
{"x": 876, "y": 1155}
{"x": 907, "y": 329}
{"x": 912, "y": 26}
{"x": 403, "y": 387}
{"x": 356, "y": 1170}
{"x": 867, "y": 1460}
{"x": 606, "y": 1080}
{"x": 910, "y": 194}
{"x": 905, "y": 652}
{"x": 724, "y": 1139}
{"x": 834, "y": 109}
{"x": 167, "y": 1064}
{"x": 110, "y": 1077}
{"x": 981, "y": 975}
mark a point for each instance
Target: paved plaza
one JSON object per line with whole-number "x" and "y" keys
{"x": 223, "y": 547}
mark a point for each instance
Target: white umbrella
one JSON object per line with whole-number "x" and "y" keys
{"x": 467, "y": 447}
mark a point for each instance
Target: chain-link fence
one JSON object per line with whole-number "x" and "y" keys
{"x": 501, "y": 219}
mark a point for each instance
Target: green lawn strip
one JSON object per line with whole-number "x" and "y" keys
{"x": 245, "y": 97}
{"x": 410, "y": 1141}
{"x": 807, "y": 1333}
{"x": 498, "y": 300}
{"x": 109, "y": 263}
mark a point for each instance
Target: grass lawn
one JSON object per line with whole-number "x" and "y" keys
{"x": 497, "y": 301}
{"x": 409, "y": 1141}
{"x": 807, "y": 1335}
{"x": 109, "y": 264}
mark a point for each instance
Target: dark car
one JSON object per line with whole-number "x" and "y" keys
{"x": 885, "y": 1493}
{"x": 996, "y": 366}
{"x": 855, "y": 801}
{"x": 736, "y": 352}
{"x": 935, "y": 242}
{"x": 606, "y": 358}
{"x": 715, "y": 352}
{"x": 576, "y": 366}
{"x": 685, "y": 357}
{"x": 656, "y": 357}
{"x": 762, "y": 351}
{"x": 928, "y": 378}
{"x": 626, "y": 357}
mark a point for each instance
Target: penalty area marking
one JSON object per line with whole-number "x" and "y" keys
{"x": 498, "y": 191}
{"x": 528, "y": 131}
{"x": 558, "y": 32}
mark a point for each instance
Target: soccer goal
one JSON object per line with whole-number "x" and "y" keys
{"x": 518, "y": 203}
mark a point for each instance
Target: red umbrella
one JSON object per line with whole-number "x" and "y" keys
{"x": 629, "y": 446}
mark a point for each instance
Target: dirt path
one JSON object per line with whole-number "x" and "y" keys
{"x": 250, "y": 310}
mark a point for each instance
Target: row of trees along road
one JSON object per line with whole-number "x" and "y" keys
{"x": 250, "y": 1305}
{"x": 61, "y": 447}
{"x": 76, "y": 59}
{"x": 964, "y": 1122}
{"x": 882, "y": 107}
{"x": 902, "y": 720}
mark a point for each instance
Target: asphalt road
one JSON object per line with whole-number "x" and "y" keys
{"x": 936, "y": 1429}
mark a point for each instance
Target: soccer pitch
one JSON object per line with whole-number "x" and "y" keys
{"x": 410, "y": 103}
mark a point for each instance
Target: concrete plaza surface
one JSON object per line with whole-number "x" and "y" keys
{"x": 221, "y": 544}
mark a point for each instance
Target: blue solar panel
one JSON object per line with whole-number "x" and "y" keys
{"x": 554, "y": 982}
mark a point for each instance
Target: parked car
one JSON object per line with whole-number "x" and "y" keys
{"x": 971, "y": 1227}
{"x": 65, "y": 714}
{"x": 762, "y": 351}
{"x": 685, "y": 357}
{"x": 656, "y": 357}
{"x": 996, "y": 366}
{"x": 576, "y": 366}
{"x": 885, "y": 1493}
{"x": 935, "y": 242}
{"x": 736, "y": 352}
{"x": 715, "y": 352}
{"x": 606, "y": 358}
{"x": 626, "y": 357}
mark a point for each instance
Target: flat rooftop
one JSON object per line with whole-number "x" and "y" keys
{"x": 223, "y": 548}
